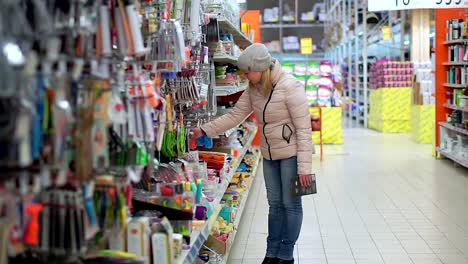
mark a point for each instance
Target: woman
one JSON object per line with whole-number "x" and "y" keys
{"x": 279, "y": 102}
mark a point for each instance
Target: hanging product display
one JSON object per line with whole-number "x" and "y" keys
{"x": 97, "y": 164}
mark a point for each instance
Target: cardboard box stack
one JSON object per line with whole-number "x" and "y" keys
{"x": 390, "y": 97}
{"x": 423, "y": 109}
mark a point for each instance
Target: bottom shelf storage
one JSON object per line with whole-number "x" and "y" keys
{"x": 460, "y": 160}
{"x": 221, "y": 241}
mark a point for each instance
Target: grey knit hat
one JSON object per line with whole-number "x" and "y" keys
{"x": 255, "y": 58}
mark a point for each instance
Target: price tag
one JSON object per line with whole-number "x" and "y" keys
{"x": 306, "y": 46}
{"x": 386, "y": 33}
{"x": 379, "y": 5}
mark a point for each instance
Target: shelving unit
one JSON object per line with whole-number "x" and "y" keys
{"x": 454, "y": 128}
{"x": 359, "y": 43}
{"x": 224, "y": 58}
{"x": 455, "y": 63}
{"x": 240, "y": 211}
{"x": 456, "y": 86}
{"x": 230, "y": 89}
{"x": 240, "y": 38}
{"x": 200, "y": 235}
{"x": 453, "y": 42}
{"x": 275, "y": 31}
{"x": 312, "y": 25}
{"x": 448, "y": 134}
{"x": 453, "y": 157}
{"x": 454, "y": 107}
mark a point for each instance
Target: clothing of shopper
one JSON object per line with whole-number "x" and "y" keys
{"x": 279, "y": 103}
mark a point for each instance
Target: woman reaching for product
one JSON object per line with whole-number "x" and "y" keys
{"x": 279, "y": 102}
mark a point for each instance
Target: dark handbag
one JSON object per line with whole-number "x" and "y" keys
{"x": 298, "y": 190}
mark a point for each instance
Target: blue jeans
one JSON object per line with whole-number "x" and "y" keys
{"x": 285, "y": 214}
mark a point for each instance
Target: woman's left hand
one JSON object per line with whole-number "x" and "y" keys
{"x": 305, "y": 180}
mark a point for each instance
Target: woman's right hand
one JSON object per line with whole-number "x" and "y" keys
{"x": 196, "y": 132}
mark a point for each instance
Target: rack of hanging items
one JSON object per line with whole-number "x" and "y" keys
{"x": 96, "y": 96}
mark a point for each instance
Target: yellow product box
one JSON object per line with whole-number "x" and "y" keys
{"x": 391, "y": 103}
{"x": 332, "y": 129}
{"x": 390, "y": 126}
{"x": 422, "y": 123}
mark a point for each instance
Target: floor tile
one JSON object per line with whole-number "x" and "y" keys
{"x": 252, "y": 261}
{"x": 425, "y": 259}
{"x": 238, "y": 251}
{"x": 397, "y": 258}
{"x": 407, "y": 208}
{"x": 312, "y": 261}
{"x": 453, "y": 258}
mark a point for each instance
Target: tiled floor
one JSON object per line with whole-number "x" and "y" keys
{"x": 382, "y": 199}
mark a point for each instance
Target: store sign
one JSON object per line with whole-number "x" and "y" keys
{"x": 386, "y": 5}
{"x": 306, "y": 46}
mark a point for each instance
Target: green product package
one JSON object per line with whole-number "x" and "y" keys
{"x": 458, "y": 93}
{"x": 288, "y": 67}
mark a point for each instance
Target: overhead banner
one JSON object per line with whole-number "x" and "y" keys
{"x": 386, "y": 5}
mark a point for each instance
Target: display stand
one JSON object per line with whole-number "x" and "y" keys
{"x": 332, "y": 128}
{"x": 451, "y": 75}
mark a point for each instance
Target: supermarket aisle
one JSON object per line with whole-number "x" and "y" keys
{"x": 382, "y": 199}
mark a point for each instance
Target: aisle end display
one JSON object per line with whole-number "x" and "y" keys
{"x": 390, "y": 96}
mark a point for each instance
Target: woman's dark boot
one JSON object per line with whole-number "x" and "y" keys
{"x": 268, "y": 260}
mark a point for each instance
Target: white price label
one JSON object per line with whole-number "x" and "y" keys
{"x": 383, "y": 5}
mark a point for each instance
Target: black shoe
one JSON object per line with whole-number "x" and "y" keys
{"x": 283, "y": 261}
{"x": 268, "y": 260}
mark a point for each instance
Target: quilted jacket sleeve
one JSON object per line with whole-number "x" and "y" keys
{"x": 237, "y": 115}
{"x": 299, "y": 111}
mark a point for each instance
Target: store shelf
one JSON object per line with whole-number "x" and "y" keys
{"x": 454, "y": 107}
{"x": 296, "y": 57}
{"x": 299, "y": 25}
{"x": 240, "y": 211}
{"x": 224, "y": 90}
{"x": 239, "y": 37}
{"x": 199, "y": 236}
{"x": 454, "y": 128}
{"x": 456, "y": 63}
{"x": 451, "y": 156}
{"x": 458, "y": 86}
{"x": 453, "y": 42}
{"x": 225, "y": 58}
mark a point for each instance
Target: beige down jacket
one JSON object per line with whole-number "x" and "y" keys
{"x": 283, "y": 116}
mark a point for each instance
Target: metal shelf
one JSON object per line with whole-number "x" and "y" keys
{"x": 454, "y": 128}
{"x": 199, "y": 236}
{"x": 297, "y": 57}
{"x": 224, "y": 58}
{"x": 299, "y": 25}
{"x": 451, "y": 156}
{"x": 222, "y": 90}
{"x": 458, "y": 86}
{"x": 454, "y": 107}
{"x": 457, "y": 41}
{"x": 239, "y": 37}
{"x": 240, "y": 211}
{"x": 456, "y": 63}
